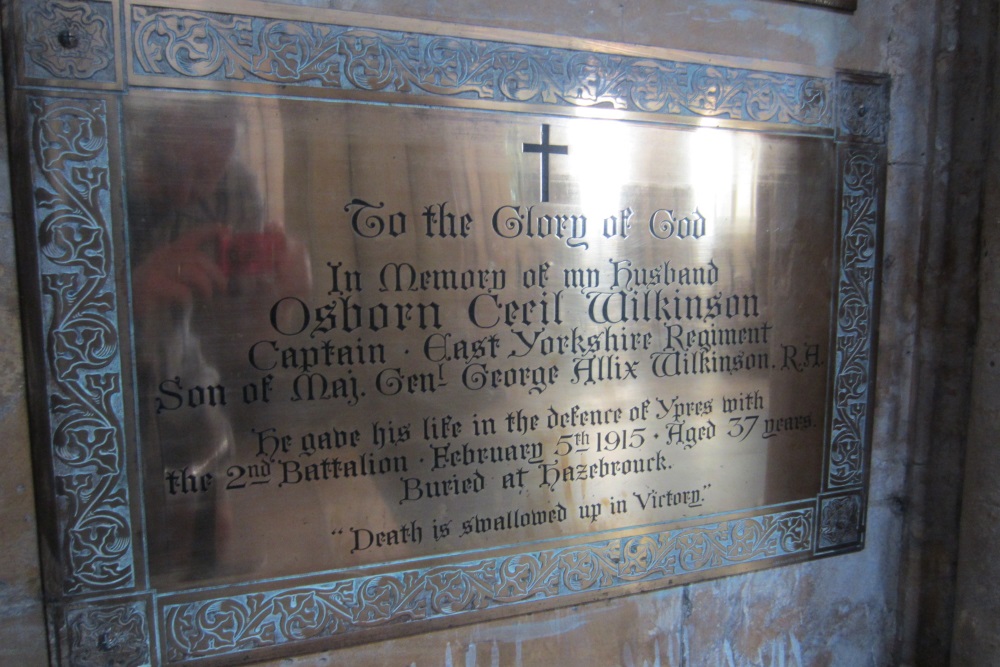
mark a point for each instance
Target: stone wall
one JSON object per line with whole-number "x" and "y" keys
{"x": 977, "y": 617}
{"x": 860, "y": 609}
{"x": 22, "y": 628}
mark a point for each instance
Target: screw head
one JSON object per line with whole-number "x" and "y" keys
{"x": 68, "y": 40}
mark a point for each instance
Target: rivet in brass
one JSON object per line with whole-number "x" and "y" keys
{"x": 68, "y": 40}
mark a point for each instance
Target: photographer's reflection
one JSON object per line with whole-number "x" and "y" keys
{"x": 207, "y": 266}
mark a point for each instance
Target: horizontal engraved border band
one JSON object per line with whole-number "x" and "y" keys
{"x": 185, "y": 44}
{"x": 220, "y": 626}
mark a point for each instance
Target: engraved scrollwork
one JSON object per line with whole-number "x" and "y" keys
{"x": 376, "y": 62}
{"x": 224, "y": 618}
{"x": 855, "y": 308}
{"x": 520, "y": 77}
{"x": 287, "y": 51}
{"x": 803, "y": 100}
{"x": 695, "y": 550}
{"x": 98, "y": 541}
{"x": 584, "y": 569}
{"x": 224, "y": 626}
{"x": 71, "y": 40}
{"x": 108, "y": 635}
{"x": 863, "y": 110}
{"x": 391, "y": 597}
{"x": 70, "y": 174}
{"x": 859, "y": 174}
{"x": 650, "y": 86}
{"x": 794, "y": 532}
{"x": 591, "y": 78}
{"x": 522, "y": 576}
{"x": 447, "y": 65}
{"x": 714, "y": 89}
{"x": 638, "y": 556}
{"x": 193, "y": 44}
{"x": 746, "y": 538}
{"x": 464, "y": 589}
{"x": 85, "y": 440}
{"x": 201, "y": 44}
{"x": 307, "y": 616}
{"x": 840, "y": 521}
{"x": 238, "y": 624}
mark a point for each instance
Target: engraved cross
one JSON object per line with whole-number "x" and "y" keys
{"x": 545, "y": 149}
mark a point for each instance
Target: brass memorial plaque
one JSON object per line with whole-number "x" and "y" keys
{"x": 347, "y": 327}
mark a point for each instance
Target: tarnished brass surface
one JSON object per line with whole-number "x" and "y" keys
{"x": 360, "y": 331}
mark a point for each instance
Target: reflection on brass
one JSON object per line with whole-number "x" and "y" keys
{"x": 336, "y": 302}
{"x": 515, "y": 335}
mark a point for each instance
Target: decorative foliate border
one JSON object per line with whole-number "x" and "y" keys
{"x": 222, "y": 626}
{"x": 854, "y": 356}
{"x": 71, "y": 199}
{"x": 862, "y": 126}
{"x": 187, "y": 44}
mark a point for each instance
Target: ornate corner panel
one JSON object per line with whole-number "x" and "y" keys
{"x": 841, "y": 522}
{"x": 862, "y": 108}
{"x": 106, "y": 632}
{"x": 71, "y": 41}
{"x": 139, "y": 535}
